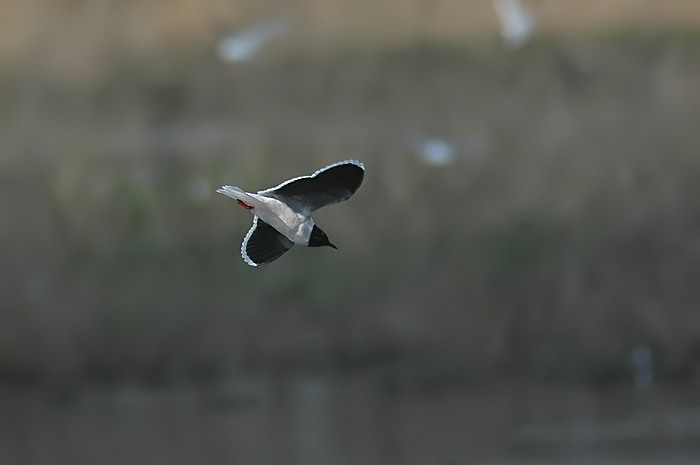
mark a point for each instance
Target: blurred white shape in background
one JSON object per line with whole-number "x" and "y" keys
{"x": 642, "y": 366}
{"x": 247, "y": 43}
{"x": 200, "y": 189}
{"x": 437, "y": 152}
{"x": 517, "y": 22}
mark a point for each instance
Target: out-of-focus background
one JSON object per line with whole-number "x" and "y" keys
{"x": 518, "y": 279}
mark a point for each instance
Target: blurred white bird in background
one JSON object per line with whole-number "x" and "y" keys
{"x": 247, "y": 43}
{"x": 445, "y": 151}
{"x": 517, "y": 22}
{"x": 437, "y": 152}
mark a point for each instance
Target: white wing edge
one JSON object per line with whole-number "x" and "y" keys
{"x": 244, "y": 245}
{"x": 344, "y": 162}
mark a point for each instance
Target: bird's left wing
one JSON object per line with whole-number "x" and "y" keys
{"x": 332, "y": 184}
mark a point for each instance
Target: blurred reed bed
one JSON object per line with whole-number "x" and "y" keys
{"x": 564, "y": 235}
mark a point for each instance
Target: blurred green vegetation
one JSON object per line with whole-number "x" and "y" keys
{"x": 565, "y": 234}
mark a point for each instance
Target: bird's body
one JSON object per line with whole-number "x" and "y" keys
{"x": 282, "y": 214}
{"x": 292, "y": 224}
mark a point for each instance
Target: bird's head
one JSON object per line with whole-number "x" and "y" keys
{"x": 319, "y": 238}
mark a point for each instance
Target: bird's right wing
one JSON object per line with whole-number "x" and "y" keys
{"x": 263, "y": 244}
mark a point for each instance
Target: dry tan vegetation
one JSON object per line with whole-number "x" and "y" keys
{"x": 80, "y": 39}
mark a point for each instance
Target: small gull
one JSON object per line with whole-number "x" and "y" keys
{"x": 282, "y": 214}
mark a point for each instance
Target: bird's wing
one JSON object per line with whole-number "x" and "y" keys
{"x": 332, "y": 184}
{"x": 263, "y": 244}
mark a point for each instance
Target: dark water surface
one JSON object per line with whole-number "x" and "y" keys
{"x": 356, "y": 418}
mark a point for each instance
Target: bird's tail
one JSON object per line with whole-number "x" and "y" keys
{"x": 234, "y": 192}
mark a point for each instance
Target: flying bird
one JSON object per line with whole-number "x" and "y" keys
{"x": 282, "y": 214}
{"x": 517, "y": 21}
{"x": 247, "y": 43}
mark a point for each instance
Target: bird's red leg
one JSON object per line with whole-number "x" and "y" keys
{"x": 244, "y": 205}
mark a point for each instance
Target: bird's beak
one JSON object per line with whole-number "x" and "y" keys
{"x": 336, "y": 248}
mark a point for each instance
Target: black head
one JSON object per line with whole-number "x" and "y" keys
{"x": 319, "y": 239}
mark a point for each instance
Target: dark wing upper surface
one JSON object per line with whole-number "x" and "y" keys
{"x": 263, "y": 244}
{"x": 329, "y": 185}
